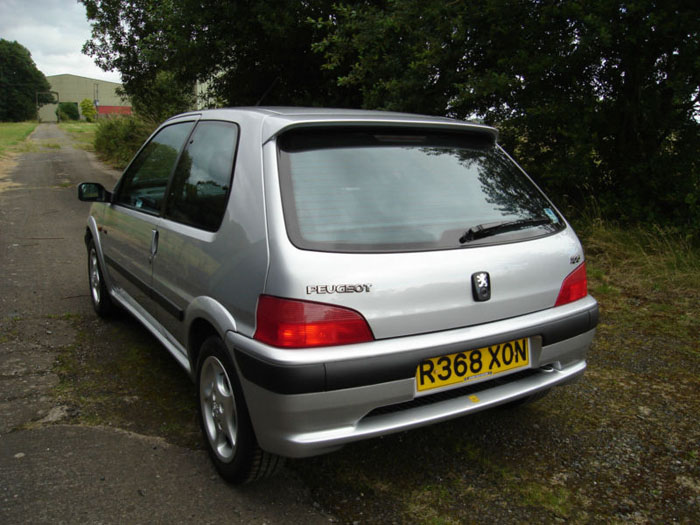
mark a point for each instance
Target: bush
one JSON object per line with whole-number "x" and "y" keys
{"x": 68, "y": 111}
{"x": 118, "y": 139}
{"x": 88, "y": 109}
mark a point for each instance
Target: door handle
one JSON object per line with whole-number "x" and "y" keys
{"x": 154, "y": 245}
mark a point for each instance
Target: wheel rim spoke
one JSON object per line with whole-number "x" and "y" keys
{"x": 94, "y": 276}
{"x": 218, "y": 409}
{"x": 229, "y": 417}
{"x": 206, "y": 396}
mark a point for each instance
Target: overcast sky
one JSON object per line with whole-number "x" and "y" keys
{"x": 54, "y": 31}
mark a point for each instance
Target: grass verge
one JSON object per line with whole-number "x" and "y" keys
{"x": 14, "y": 133}
{"x": 82, "y": 132}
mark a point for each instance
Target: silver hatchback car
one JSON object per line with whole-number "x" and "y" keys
{"x": 327, "y": 276}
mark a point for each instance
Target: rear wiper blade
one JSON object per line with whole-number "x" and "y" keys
{"x": 487, "y": 230}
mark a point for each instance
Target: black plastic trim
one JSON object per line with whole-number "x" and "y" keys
{"x": 565, "y": 328}
{"x": 127, "y": 274}
{"x": 167, "y": 305}
{"x": 374, "y": 370}
{"x": 299, "y": 379}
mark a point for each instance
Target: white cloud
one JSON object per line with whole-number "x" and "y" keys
{"x": 54, "y": 31}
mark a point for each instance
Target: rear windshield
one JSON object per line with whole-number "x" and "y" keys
{"x": 385, "y": 190}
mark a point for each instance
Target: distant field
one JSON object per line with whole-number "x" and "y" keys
{"x": 12, "y": 133}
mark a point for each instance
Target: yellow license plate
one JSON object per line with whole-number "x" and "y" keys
{"x": 471, "y": 365}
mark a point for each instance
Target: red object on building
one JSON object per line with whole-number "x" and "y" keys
{"x": 114, "y": 110}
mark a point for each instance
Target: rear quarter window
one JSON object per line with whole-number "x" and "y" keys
{"x": 202, "y": 180}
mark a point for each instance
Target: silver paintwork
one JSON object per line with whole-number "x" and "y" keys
{"x": 419, "y": 302}
{"x": 278, "y": 122}
{"x": 420, "y": 292}
{"x": 441, "y": 343}
{"x": 310, "y": 424}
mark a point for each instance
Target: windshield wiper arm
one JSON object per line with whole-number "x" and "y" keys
{"x": 484, "y": 230}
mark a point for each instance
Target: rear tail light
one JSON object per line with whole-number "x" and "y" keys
{"x": 290, "y": 323}
{"x": 574, "y": 287}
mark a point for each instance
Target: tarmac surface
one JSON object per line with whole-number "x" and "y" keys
{"x": 52, "y": 472}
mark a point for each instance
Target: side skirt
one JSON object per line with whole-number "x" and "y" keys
{"x": 153, "y": 326}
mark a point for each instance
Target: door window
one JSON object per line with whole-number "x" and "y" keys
{"x": 202, "y": 179}
{"x": 143, "y": 185}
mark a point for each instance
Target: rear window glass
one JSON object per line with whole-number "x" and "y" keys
{"x": 379, "y": 190}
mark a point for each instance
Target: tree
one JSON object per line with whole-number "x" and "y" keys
{"x": 88, "y": 109}
{"x": 596, "y": 98}
{"x": 161, "y": 98}
{"x": 246, "y": 49}
{"x": 21, "y": 83}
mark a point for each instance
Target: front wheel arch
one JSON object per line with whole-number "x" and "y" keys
{"x": 224, "y": 419}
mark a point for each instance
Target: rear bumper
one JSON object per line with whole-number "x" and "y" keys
{"x": 308, "y": 402}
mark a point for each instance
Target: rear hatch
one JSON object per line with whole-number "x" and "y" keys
{"x": 419, "y": 230}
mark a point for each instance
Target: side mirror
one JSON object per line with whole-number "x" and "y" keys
{"x": 93, "y": 192}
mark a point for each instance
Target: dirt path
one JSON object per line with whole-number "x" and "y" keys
{"x": 53, "y": 472}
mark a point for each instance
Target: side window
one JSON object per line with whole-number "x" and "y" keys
{"x": 143, "y": 185}
{"x": 202, "y": 179}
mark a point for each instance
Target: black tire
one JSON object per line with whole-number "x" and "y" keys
{"x": 101, "y": 301}
{"x": 224, "y": 419}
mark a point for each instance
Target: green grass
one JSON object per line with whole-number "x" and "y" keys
{"x": 83, "y": 132}
{"x": 14, "y": 133}
{"x": 557, "y": 500}
{"x": 649, "y": 278}
{"x": 648, "y": 257}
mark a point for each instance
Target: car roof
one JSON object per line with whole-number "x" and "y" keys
{"x": 274, "y": 120}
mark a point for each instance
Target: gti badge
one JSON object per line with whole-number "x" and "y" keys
{"x": 481, "y": 286}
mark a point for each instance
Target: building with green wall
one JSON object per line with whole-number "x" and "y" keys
{"x": 74, "y": 88}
